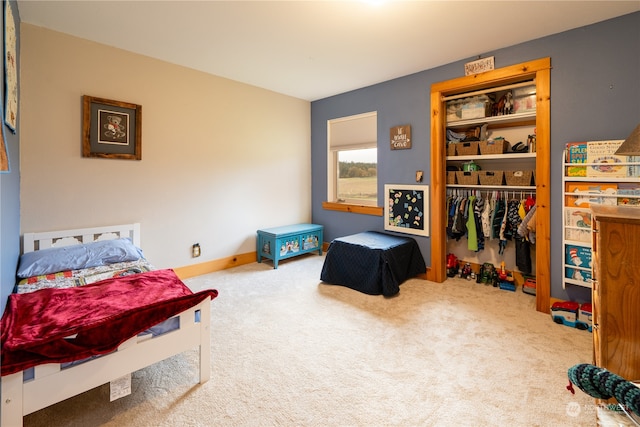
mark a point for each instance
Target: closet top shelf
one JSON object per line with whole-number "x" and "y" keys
{"x": 500, "y": 187}
{"x": 528, "y": 117}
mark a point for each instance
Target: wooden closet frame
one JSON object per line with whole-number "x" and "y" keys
{"x": 540, "y": 70}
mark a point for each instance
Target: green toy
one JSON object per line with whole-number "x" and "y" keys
{"x": 603, "y": 384}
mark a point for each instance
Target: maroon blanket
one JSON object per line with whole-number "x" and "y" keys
{"x": 103, "y": 315}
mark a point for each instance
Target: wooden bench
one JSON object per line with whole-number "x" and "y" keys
{"x": 288, "y": 241}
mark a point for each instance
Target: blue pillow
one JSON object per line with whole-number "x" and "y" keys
{"x": 75, "y": 257}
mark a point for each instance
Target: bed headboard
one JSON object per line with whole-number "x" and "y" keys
{"x": 48, "y": 239}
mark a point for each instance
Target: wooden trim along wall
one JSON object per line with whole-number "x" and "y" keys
{"x": 215, "y": 265}
{"x": 540, "y": 70}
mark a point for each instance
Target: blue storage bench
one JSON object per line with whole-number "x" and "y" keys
{"x": 288, "y": 241}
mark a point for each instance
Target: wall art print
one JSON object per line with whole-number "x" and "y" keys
{"x": 407, "y": 208}
{"x": 10, "y": 69}
{"x": 4, "y": 151}
{"x": 111, "y": 129}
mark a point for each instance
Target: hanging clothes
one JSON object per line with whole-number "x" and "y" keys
{"x": 477, "y": 212}
{"x": 486, "y": 216}
{"x": 472, "y": 238}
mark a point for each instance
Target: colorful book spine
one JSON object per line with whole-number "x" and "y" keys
{"x": 576, "y": 153}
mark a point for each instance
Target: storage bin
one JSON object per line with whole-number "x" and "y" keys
{"x": 467, "y": 177}
{"x": 451, "y": 177}
{"x": 524, "y": 99}
{"x": 518, "y": 178}
{"x": 451, "y": 149}
{"x": 467, "y": 148}
{"x": 497, "y": 146}
{"x": 491, "y": 177}
{"x": 476, "y": 107}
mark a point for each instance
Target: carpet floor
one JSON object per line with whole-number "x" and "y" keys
{"x": 289, "y": 350}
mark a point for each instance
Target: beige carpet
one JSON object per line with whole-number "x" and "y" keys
{"x": 289, "y": 350}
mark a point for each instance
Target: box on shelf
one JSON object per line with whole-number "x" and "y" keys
{"x": 475, "y": 107}
{"x": 518, "y": 178}
{"x": 603, "y": 162}
{"x": 467, "y": 148}
{"x": 524, "y": 99}
{"x": 576, "y": 153}
{"x": 451, "y": 149}
{"x": 494, "y": 177}
{"x": 494, "y": 146}
{"x": 579, "y": 256}
{"x": 467, "y": 177}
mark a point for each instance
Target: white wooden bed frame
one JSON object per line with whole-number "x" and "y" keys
{"x": 51, "y": 384}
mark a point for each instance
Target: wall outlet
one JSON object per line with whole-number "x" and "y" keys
{"x": 195, "y": 250}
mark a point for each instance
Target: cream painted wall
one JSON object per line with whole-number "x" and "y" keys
{"x": 220, "y": 159}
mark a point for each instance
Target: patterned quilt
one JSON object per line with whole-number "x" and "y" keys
{"x": 85, "y": 276}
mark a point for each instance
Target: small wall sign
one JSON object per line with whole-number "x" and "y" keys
{"x": 479, "y": 66}
{"x": 400, "y": 137}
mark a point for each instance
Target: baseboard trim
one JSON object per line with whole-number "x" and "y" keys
{"x": 215, "y": 265}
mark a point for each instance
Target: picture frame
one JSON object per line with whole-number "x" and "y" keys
{"x": 4, "y": 150}
{"x": 407, "y": 208}
{"x": 111, "y": 129}
{"x": 10, "y": 69}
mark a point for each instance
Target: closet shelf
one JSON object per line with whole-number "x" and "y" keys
{"x": 493, "y": 157}
{"x": 500, "y": 187}
{"x": 528, "y": 117}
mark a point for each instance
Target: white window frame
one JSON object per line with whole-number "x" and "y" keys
{"x": 355, "y": 141}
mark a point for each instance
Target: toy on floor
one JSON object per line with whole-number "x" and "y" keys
{"x": 507, "y": 281}
{"x": 452, "y": 265}
{"x": 601, "y": 383}
{"x": 529, "y": 286}
{"x": 572, "y": 314}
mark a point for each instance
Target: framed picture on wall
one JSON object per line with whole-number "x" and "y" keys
{"x": 407, "y": 208}
{"x": 10, "y": 69}
{"x": 4, "y": 152}
{"x": 111, "y": 129}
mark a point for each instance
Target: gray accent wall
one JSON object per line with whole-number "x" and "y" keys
{"x": 595, "y": 94}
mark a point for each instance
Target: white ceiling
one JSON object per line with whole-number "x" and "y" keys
{"x": 315, "y": 49}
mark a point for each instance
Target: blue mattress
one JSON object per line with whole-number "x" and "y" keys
{"x": 372, "y": 262}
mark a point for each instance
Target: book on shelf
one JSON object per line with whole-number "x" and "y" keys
{"x": 578, "y": 256}
{"x": 628, "y": 193}
{"x": 582, "y": 235}
{"x": 603, "y": 162}
{"x": 582, "y": 194}
{"x": 576, "y": 153}
{"x": 578, "y": 275}
{"x": 634, "y": 170}
{"x": 577, "y": 217}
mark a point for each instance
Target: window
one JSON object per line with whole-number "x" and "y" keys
{"x": 353, "y": 159}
